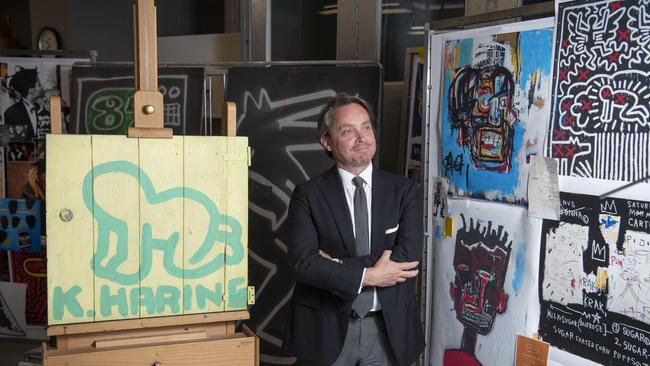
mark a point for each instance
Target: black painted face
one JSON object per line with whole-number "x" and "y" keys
{"x": 481, "y": 107}
{"x": 480, "y": 262}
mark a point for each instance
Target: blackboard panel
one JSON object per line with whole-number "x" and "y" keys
{"x": 277, "y": 108}
{"x": 594, "y": 272}
{"x": 103, "y": 99}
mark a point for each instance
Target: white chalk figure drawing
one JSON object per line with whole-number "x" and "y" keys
{"x": 600, "y": 118}
{"x": 290, "y": 119}
{"x": 595, "y": 279}
{"x": 484, "y": 279}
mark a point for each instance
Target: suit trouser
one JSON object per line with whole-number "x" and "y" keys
{"x": 366, "y": 344}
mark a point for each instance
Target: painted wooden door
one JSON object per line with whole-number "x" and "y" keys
{"x": 145, "y": 227}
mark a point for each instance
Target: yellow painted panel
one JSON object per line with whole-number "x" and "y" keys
{"x": 69, "y": 244}
{"x": 161, "y": 221}
{"x": 204, "y": 246}
{"x": 117, "y": 227}
{"x": 237, "y": 209}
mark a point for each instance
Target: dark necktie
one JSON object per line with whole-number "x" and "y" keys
{"x": 363, "y": 303}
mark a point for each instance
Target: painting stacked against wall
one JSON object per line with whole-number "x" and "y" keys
{"x": 26, "y": 84}
{"x": 484, "y": 283}
{"x": 158, "y": 227}
{"x": 601, "y": 101}
{"x": 493, "y": 109}
{"x": 595, "y": 267}
{"x": 413, "y": 163}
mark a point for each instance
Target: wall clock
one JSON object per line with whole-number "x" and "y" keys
{"x": 48, "y": 40}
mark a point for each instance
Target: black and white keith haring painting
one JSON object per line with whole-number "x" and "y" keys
{"x": 600, "y": 122}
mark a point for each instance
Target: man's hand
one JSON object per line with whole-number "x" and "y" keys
{"x": 324, "y": 255}
{"x": 387, "y": 273}
{"x": 32, "y": 179}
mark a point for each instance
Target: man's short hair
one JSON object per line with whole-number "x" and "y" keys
{"x": 336, "y": 102}
{"x": 23, "y": 80}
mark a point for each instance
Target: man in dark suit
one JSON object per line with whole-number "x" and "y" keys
{"x": 355, "y": 241}
{"x": 22, "y": 116}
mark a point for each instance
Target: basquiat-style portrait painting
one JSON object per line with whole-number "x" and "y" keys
{"x": 484, "y": 283}
{"x": 493, "y": 111}
{"x": 480, "y": 260}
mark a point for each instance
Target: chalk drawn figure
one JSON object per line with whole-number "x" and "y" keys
{"x": 108, "y": 224}
{"x": 481, "y": 261}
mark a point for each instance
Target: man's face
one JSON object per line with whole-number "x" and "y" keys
{"x": 351, "y": 138}
{"x": 35, "y": 92}
{"x": 478, "y": 287}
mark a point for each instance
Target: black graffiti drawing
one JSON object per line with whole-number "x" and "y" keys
{"x": 270, "y": 190}
{"x": 453, "y": 164}
{"x": 600, "y": 114}
{"x": 277, "y": 109}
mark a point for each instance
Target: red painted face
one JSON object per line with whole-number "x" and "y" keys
{"x": 480, "y": 274}
{"x": 351, "y": 138}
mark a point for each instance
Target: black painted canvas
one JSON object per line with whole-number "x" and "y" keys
{"x": 277, "y": 108}
{"x": 102, "y": 99}
{"x": 595, "y": 279}
{"x": 600, "y": 119}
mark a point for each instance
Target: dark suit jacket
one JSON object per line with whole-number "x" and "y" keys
{"x": 319, "y": 219}
{"x": 17, "y": 114}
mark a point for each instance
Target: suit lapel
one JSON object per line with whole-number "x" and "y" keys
{"x": 332, "y": 189}
{"x": 380, "y": 193}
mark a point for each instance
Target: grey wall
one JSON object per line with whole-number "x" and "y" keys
{"x": 107, "y": 26}
{"x": 299, "y": 33}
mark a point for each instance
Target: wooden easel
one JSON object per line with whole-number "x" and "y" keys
{"x": 200, "y": 339}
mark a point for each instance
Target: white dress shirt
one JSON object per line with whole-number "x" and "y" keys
{"x": 349, "y": 188}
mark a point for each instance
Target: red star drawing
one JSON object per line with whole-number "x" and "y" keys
{"x": 613, "y": 58}
{"x": 568, "y": 120}
{"x": 565, "y": 43}
{"x": 566, "y": 105}
{"x": 569, "y": 151}
{"x": 557, "y": 151}
{"x": 623, "y": 35}
{"x": 558, "y": 134}
{"x": 564, "y": 72}
{"x": 586, "y": 104}
{"x": 583, "y": 74}
{"x": 621, "y": 98}
{"x": 606, "y": 93}
{"x": 615, "y": 5}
